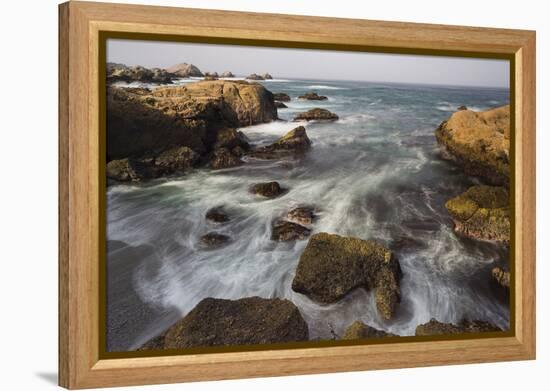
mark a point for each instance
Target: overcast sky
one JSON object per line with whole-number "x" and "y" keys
{"x": 313, "y": 64}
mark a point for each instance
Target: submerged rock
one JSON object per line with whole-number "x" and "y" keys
{"x": 478, "y": 142}
{"x": 281, "y": 97}
{"x": 312, "y": 96}
{"x": 217, "y": 215}
{"x": 316, "y": 114}
{"x": 360, "y": 330}
{"x": 434, "y": 327}
{"x": 294, "y": 142}
{"x": 185, "y": 70}
{"x": 214, "y": 239}
{"x": 482, "y": 212}
{"x": 284, "y": 231}
{"x": 331, "y": 266}
{"x": 303, "y": 215}
{"x": 248, "y": 321}
{"x": 223, "y": 158}
{"x": 501, "y": 277}
{"x": 267, "y": 189}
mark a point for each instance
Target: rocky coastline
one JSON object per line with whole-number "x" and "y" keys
{"x": 155, "y": 133}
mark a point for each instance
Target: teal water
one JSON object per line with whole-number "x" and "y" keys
{"x": 374, "y": 174}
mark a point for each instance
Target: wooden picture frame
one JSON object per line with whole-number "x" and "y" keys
{"x": 81, "y": 25}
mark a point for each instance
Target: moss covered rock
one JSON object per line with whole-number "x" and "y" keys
{"x": 360, "y": 330}
{"x": 482, "y": 212}
{"x": 331, "y": 266}
{"x": 316, "y": 114}
{"x": 479, "y": 142}
{"x": 248, "y": 321}
{"x": 434, "y": 327}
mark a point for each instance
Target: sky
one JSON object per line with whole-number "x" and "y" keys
{"x": 283, "y": 63}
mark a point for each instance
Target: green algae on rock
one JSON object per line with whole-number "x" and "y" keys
{"x": 482, "y": 212}
{"x": 331, "y": 266}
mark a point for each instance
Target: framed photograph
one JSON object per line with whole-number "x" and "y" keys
{"x": 247, "y": 195}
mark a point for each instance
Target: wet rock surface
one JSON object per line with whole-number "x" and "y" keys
{"x": 434, "y": 327}
{"x": 316, "y": 114}
{"x": 360, "y": 330}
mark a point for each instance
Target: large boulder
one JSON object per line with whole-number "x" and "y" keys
{"x": 360, "y": 330}
{"x": 185, "y": 70}
{"x": 293, "y": 143}
{"x": 131, "y": 170}
{"x": 434, "y": 327}
{"x": 248, "y": 321}
{"x": 479, "y": 142}
{"x": 191, "y": 116}
{"x": 223, "y": 158}
{"x": 316, "y": 114}
{"x": 177, "y": 159}
{"x": 482, "y": 212}
{"x": 331, "y": 266}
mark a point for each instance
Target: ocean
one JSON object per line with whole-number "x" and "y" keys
{"x": 376, "y": 173}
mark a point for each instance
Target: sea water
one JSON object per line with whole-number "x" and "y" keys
{"x": 376, "y": 173}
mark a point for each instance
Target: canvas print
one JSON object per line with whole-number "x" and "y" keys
{"x": 274, "y": 196}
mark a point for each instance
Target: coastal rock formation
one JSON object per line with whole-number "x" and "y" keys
{"x": 211, "y": 76}
{"x": 122, "y": 73}
{"x": 281, "y": 97}
{"x": 142, "y": 122}
{"x": 214, "y": 240}
{"x": 284, "y": 231}
{"x": 176, "y": 159}
{"x": 248, "y": 321}
{"x": 434, "y": 327}
{"x": 267, "y": 189}
{"x": 223, "y": 158}
{"x": 501, "y": 277}
{"x": 303, "y": 215}
{"x": 280, "y": 105}
{"x": 217, "y": 215}
{"x": 227, "y": 74}
{"x": 462, "y": 108}
{"x": 294, "y": 142}
{"x": 254, "y": 76}
{"x": 316, "y": 114}
{"x": 185, "y": 70}
{"x": 267, "y": 76}
{"x": 360, "y": 330}
{"x": 312, "y": 96}
{"x": 478, "y": 142}
{"x": 124, "y": 170}
{"x": 482, "y": 212}
{"x": 331, "y": 266}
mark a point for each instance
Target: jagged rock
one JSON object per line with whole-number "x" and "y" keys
{"x": 255, "y": 77}
{"x": 294, "y": 142}
{"x": 501, "y": 277}
{"x": 190, "y": 115}
{"x": 177, "y": 159}
{"x": 280, "y": 105}
{"x": 217, "y": 215}
{"x": 223, "y": 158}
{"x": 122, "y": 73}
{"x": 185, "y": 70}
{"x": 360, "y": 330}
{"x": 478, "y": 142}
{"x": 482, "y": 212}
{"x": 331, "y": 266}
{"x": 214, "y": 240}
{"x": 227, "y": 74}
{"x": 434, "y": 327}
{"x": 303, "y": 215}
{"x": 248, "y": 321}
{"x": 267, "y": 189}
{"x": 284, "y": 231}
{"x": 312, "y": 96}
{"x": 281, "y": 97}
{"x": 316, "y": 114}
